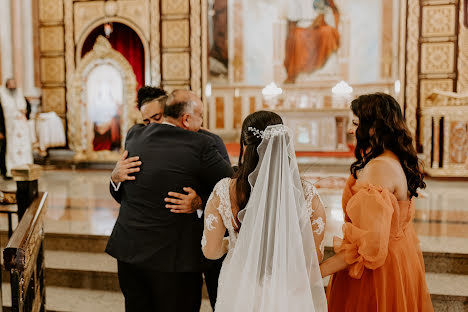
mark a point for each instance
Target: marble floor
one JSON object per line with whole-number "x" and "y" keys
{"x": 80, "y": 205}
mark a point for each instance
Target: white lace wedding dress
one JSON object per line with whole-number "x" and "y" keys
{"x": 272, "y": 262}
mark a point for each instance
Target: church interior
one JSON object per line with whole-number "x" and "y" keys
{"x": 79, "y": 64}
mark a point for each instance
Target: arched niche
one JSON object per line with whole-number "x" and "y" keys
{"x": 103, "y": 105}
{"x": 96, "y": 25}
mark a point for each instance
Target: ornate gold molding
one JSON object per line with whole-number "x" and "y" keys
{"x": 462, "y": 83}
{"x": 155, "y": 66}
{"x": 195, "y": 45}
{"x": 412, "y": 59}
{"x": 80, "y": 142}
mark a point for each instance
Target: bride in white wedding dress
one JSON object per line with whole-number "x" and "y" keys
{"x": 275, "y": 223}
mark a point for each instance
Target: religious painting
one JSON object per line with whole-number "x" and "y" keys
{"x": 218, "y": 38}
{"x": 104, "y": 97}
{"x": 302, "y": 42}
{"x": 312, "y": 36}
{"x": 103, "y": 104}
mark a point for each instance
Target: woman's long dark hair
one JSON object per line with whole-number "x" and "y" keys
{"x": 248, "y": 158}
{"x": 383, "y": 127}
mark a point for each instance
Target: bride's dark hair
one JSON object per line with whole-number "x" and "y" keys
{"x": 383, "y": 127}
{"x": 248, "y": 158}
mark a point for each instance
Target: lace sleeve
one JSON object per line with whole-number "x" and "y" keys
{"x": 213, "y": 244}
{"x": 317, "y": 214}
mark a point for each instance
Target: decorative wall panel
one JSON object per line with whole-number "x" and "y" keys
{"x": 437, "y": 58}
{"x": 175, "y": 7}
{"x": 176, "y": 66}
{"x": 439, "y": 20}
{"x": 54, "y": 100}
{"x": 51, "y": 39}
{"x": 53, "y": 70}
{"x": 84, "y": 14}
{"x": 431, "y": 57}
{"x": 175, "y": 33}
{"x": 50, "y": 11}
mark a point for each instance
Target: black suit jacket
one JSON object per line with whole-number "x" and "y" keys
{"x": 146, "y": 232}
{"x": 219, "y": 144}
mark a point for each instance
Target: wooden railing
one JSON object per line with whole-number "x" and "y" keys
{"x": 445, "y": 134}
{"x": 24, "y": 259}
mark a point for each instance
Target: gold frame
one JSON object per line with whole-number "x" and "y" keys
{"x": 79, "y": 142}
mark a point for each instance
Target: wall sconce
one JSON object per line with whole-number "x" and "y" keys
{"x": 271, "y": 91}
{"x": 342, "y": 88}
{"x": 208, "y": 90}
{"x": 397, "y": 87}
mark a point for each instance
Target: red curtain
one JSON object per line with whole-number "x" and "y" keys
{"x": 126, "y": 41}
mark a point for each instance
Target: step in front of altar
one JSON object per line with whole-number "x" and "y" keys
{"x": 77, "y": 264}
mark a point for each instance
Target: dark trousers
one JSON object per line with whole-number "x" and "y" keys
{"x": 211, "y": 279}
{"x": 152, "y": 291}
{"x": 2, "y": 157}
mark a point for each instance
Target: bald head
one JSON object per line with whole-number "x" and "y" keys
{"x": 184, "y": 109}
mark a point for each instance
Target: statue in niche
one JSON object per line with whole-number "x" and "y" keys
{"x": 312, "y": 36}
{"x": 218, "y": 54}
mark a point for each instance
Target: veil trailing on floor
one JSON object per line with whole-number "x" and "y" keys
{"x": 274, "y": 264}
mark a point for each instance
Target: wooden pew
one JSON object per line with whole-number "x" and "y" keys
{"x": 24, "y": 259}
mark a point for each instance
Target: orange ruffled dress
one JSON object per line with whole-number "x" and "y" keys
{"x": 386, "y": 271}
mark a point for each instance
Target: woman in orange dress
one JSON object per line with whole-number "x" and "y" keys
{"x": 378, "y": 265}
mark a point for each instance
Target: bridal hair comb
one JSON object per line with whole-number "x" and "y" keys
{"x": 269, "y": 132}
{"x": 257, "y": 133}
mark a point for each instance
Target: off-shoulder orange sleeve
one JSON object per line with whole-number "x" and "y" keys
{"x": 366, "y": 236}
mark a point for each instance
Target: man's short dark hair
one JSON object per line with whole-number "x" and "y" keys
{"x": 147, "y": 94}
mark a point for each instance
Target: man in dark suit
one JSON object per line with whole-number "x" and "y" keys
{"x": 150, "y": 102}
{"x": 158, "y": 248}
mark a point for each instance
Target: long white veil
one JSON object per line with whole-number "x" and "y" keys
{"x": 274, "y": 266}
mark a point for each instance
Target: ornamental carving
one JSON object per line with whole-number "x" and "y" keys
{"x": 86, "y": 14}
{"x": 52, "y": 70}
{"x": 176, "y": 66}
{"x": 54, "y": 100}
{"x": 437, "y": 58}
{"x": 51, "y": 11}
{"x": 175, "y": 7}
{"x": 51, "y": 39}
{"x": 195, "y": 47}
{"x": 458, "y": 142}
{"x": 412, "y": 60}
{"x": 175, "y": 33}
{"x": 81, "y": 129}
{"x": 463, "y": 50}
{"x": 439, "y": 20}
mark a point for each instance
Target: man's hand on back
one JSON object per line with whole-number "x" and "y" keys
{"x": 124, "y": 167}
{"x": 183, "y": 203}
